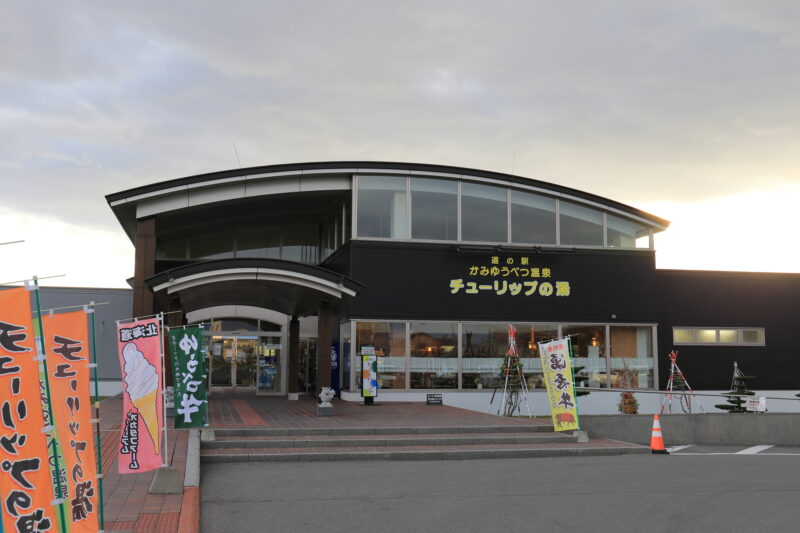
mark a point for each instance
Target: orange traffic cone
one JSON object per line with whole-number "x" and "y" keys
{"x": 656, "y": 439}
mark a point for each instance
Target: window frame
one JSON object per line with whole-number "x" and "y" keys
{"x": 717, "y": 342}
{"x": 605, "y": 212}
{"x": 461, "y": 324}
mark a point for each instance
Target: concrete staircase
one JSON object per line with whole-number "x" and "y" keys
{"x": 402, "y": 443}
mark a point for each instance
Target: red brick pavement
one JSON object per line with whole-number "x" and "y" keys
{"x": 128, "y": 507}
{"x": 235, "y": 408}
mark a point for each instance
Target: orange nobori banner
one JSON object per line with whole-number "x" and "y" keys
{"x": 25, "y": 485}
{"x": 140, "y": 349}
{"x": 68, "y": 357}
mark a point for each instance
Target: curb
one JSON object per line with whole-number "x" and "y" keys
{"x": 189, "y": 521}
{"x": 304, "y": 432}
{"x": 437, "y": 455}
{"x": 404, "y": 441}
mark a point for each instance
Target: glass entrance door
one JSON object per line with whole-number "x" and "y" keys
{"x": 221, "y": 350}
{"x": 269, "y": 364}
{"x": 233, "y": 360}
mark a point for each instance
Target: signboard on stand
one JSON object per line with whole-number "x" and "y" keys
{"x": 369, "y": 374}
{"x": 25, "y": 485}
{"x": 335, "y": 386}
{"x": 140, "y": 354}
{"x": 557, "y": 370}
{"x": 189, "y": 371}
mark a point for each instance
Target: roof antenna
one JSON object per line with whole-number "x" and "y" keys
{"x": 237, "y": 155}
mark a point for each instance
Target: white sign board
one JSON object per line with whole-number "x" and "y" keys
{"x": 757, "y": 404}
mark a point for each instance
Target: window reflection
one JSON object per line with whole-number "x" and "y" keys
{"x": 580, "y": 225}
{"x": 434, "y": 355}
{"x": 484, "y": 215}
{"x": 382, "y": 207}
{"x": 533, "y": 218}
{"x": 483, "y": 348}
{"x": 627, "y": 361}
{"x": 624, "y": 233}
{"x": 389, "y": 341}
{"x": 434, "y": 209}
{"x": 589, "y": 352}
{"x": 256, "y": 242}
{"x": 528, "y": 338}
{"x": 631, "y": 361}
{"x": 212, "y": 245}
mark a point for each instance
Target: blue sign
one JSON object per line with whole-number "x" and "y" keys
{"x": 335, "y": 369}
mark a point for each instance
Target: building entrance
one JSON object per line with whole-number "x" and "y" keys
{"x": 252, "y": 359}
{"x": 233, "y": 360}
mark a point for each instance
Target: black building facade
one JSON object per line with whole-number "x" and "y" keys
{"x": 427, "y": 265}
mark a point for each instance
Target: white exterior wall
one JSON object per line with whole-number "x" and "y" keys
{"x": 596, "y": 403}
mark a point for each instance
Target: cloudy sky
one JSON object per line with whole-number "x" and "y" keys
{"x": 688, "y": 110}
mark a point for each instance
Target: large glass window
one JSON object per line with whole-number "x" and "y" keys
{"x": 753, "y": 336}
{"x": 483, "y": 347}
{"x": 212, "y": 245}
{"x": 533, "y": 218}
{"x": 300, "y": 243}
{"x": 389, "y": 341}
{"x": 719, "y": 336}
{"x": 580, "y": 225}
{"x": 171, "y": 247}
{"x": 382, "y": 207}
{"x": 624, "y": 233}
{"x": 683, "y": 336}
{"x": 589, "y": 352}
{"x": 256, "y": 242}
{"x": 435, "y": 349}
{"x": 434, "y": 209}
{"x": 528, "y": 338}
{"x": 631, "y": 358}
{"x": 434, "y": 355}
{"x": 484, "y": 213}
{"x": 706, "y": 335}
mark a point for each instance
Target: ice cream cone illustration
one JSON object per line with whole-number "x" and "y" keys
{"x": 141, "y": 384}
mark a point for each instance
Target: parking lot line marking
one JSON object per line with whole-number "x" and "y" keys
{"x": 754, "y": 449}
{"x": 686, "y": 454}
{"x": 674, "y": 449}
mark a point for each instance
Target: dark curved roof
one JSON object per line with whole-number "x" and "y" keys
{"x": 255, "y": 286}
{"x": 279, "y": 264}
{"x": 345, "y": 166}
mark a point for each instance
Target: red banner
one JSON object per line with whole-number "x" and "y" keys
{"x": 25, "y": 483}
{"x": 140, "y": 345}
{"x": 68, "y": 357}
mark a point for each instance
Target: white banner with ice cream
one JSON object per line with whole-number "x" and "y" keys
{"x": 141, "y": 436}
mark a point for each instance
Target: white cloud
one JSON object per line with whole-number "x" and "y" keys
{"x": 85, "y": 257}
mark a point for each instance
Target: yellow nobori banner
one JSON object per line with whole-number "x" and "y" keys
{"x": 557, "y": 370}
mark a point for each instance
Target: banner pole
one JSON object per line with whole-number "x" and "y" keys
{"x": 572, "y": 371}
{"x": 207, "y": 420}
{"x": 163, "y": 389}
{"x": 90, "y": 311}
{"x": 43, "y": 369}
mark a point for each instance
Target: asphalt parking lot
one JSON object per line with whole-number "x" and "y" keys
{"x": 763, "y": 449}
{"x": 704, "y": 489}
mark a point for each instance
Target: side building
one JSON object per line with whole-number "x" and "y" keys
{"x": 296, "y": 269}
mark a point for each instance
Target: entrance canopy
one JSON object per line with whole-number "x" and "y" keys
{"x": 295, "y": 289}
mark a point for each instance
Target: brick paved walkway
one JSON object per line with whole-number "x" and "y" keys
{"x": 128, "y": 506}
{"x": 242, "y": 408}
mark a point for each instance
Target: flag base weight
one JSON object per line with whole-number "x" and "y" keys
{"x": 167, "y": 480}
